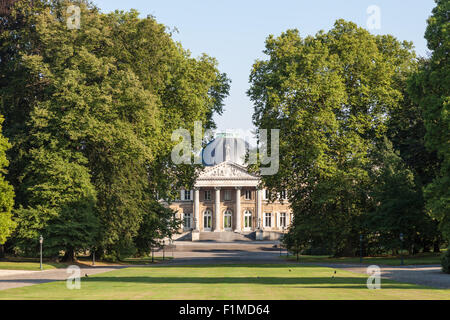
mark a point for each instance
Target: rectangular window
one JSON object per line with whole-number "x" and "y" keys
{"x": 207, "y": 195}
{"x": 227, "y": 195}
{"x": 268, "y": 220}
{"x": 283, "y": 220}
{"x": 248, "y": 195}
{"x": 187, "y": 195}
{"x": 266, "y": 194}
{"x": 283, "y": 195}
{"x": 187, "y": 221}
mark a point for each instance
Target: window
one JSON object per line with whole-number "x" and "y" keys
{"x": 268, "y": 220}
{"x": 227, "y": 220}
{"x": 283, "y": 220}
{"x": 283, "y": 195}
{"x": 248, "y": 195}
{"x": 247, "y": 220}
{"x": 207, "y": 220}
{"x": 227, "y": 195}
{"x": 266, "y": 194}
{"x": 185, "y": 195}
{"x": 207, "y": 195}
{"x": 187, "y": 221}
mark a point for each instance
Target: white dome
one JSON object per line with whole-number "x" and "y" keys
{"x": 224, "y": 149}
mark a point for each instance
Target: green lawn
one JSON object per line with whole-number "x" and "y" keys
{"x": 29, "y": 265}
{"x": 267, "y": 282}
{"x": 420, "y": 259}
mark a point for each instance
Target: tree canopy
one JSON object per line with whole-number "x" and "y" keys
{"x": 89, "y": 113}
{"x": 430, "y": 88}
{"x": 6, "y": 192}
{"x": 332, "y": 95}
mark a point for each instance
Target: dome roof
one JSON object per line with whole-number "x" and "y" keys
{"x": 224, "y": 149}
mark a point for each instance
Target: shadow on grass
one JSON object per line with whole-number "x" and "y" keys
{"x": 303, "y": 282}
{"x": 232, "y": 264}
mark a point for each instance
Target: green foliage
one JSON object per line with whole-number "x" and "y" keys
{"x": 399, "y": 204}
{"x": 406, "y": 130}
{"x": 329, "y": 95}
{"x": 158, "y": 223}
{"x": 430, "y": 88}
{"x": 446, "y": 262}
{"x": 92, "y": 110}
{"x": 60, "y": 204}
{"x": 292, "y": 243}
{"x": 7, "y": 225}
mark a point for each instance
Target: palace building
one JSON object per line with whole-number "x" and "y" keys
{"x": 226, "y": 203}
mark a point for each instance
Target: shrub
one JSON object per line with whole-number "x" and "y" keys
{"x": 446, "y": 261}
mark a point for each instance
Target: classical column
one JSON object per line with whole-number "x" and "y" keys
{"x": 238, "y": 209}
{"x": 197, "y": 208}
{"x": 259, "y": 208}
{"x": 217, "y": 210}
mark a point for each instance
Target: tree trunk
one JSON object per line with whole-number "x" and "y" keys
{"x": 2, "y": 251}
{"x": 436, "y": 247}
{"x": 69, "y": 256}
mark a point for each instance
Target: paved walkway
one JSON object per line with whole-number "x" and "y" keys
{"x": 29, "y": 278}
{"x": 189, "y": 253}
{"x": 6, "y": 273}
{"x": 426, "y": 275}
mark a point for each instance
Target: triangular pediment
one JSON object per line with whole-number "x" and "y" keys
{"x": 226, "y": 171}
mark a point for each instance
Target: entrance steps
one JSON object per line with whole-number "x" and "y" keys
{"x": 227, "y": 236}
{"x": 201, "y": 247}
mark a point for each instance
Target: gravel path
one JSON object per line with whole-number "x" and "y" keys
{"x": 29, "y": 278}
{"x": 246, "y": 252}
{"x": 225, "y": 257}
{"x": 426, "y": 275}
{"x": 6, "y": 273}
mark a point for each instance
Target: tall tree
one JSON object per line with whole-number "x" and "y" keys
{"x": 6, "y": 193}
{"x": 153, "y": 228}
{"x": 102, "y": 100}
{"x": 430, "y": 88}
{"x": 399, "y": 205}
{"x": 330, "y": 96}
{"x": 406, "y": 130}
{"x": 61, "y": 201}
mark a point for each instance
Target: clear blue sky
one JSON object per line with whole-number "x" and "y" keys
{"x": 234, "y": 31}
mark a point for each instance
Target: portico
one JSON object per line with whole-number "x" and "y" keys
{"x": 218, "y": 190}
{"x": 225, "y": 203}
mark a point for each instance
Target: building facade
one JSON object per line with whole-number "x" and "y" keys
{"x": 226, "y": 199}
